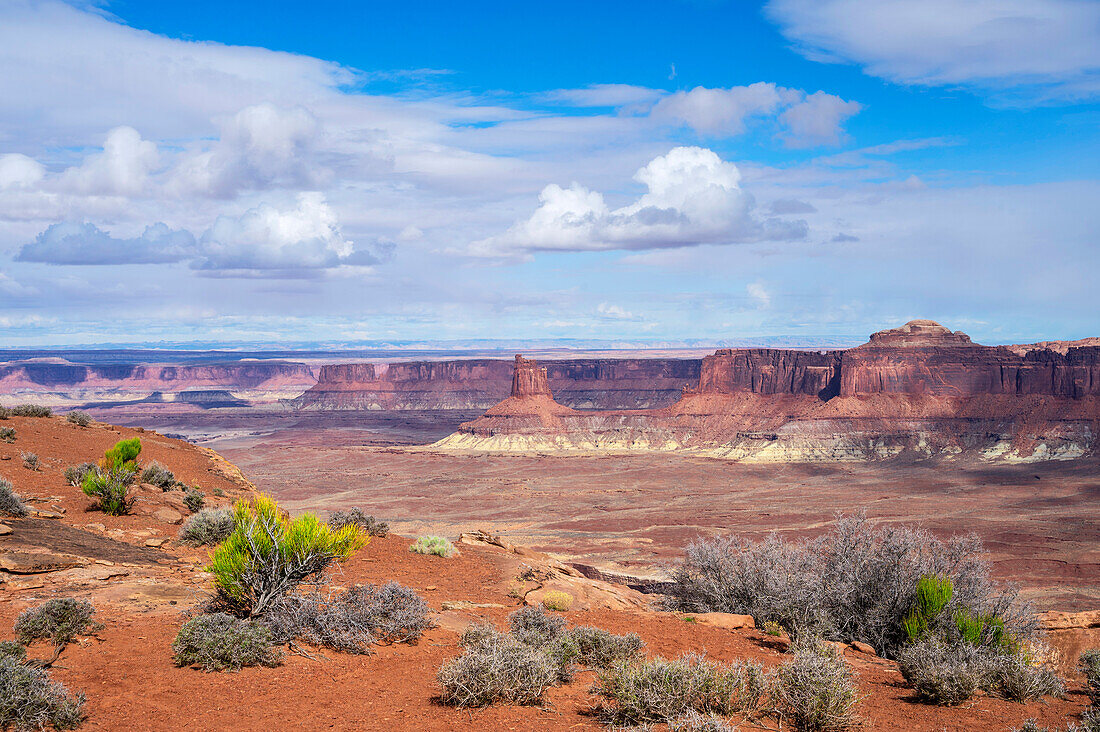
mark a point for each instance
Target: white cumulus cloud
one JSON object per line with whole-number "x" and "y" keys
{"x": 121, "y": 169}
{"x": 83, "y": 243}
{"x": 20, "y": 171}
{"x": 693, "y": 197}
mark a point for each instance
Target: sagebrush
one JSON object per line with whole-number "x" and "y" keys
{"x": 356, "y": 516}
{"x": 498, "y": 669}
{"x": 30, "y": 700}
{"x": 31, "y": 410}
{"x": 814, "y": 691}
{"x": 221, "y": 642}
{"x": 59, "y": 621}
{"x": 7, "y": 434}
{"x": 158, "y": 475}
{"x": 10, "y": 502}
{"x": 207, "y": 527}
{"x": 80, "y": 419}
{"x": 435, "y": 545}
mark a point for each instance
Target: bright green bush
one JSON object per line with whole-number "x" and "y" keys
{"x": 436, "y": 545}
{"x": 933, "y": 594}
{"x": 109, "y": 484}
{"x": 123, "y": 456}
{"x": 268, "y": 554}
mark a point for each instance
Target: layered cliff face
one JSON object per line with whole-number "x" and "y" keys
{"x": 60, "y": 383}
{"x": 918, "y": 391}
{"x": 479, "y": 384}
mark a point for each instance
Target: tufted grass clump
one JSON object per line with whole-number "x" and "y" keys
{"x": 59, "y": 621}
{"x": 356, "y": 516}
{"x": 10, "y": 502}
{"x": 269, "y": 554}
{"x": 435, "y": 545}
{"x": 30, "y": 700}
{"x": 207, "y": 527}
{"x": 221, "y": 642}
{"x": 158, "y": 475}
{"x": 814, "y": 691}
{"x": 7, "y": 434}
{"x": 557, "y": 600}
{"x": 496, "y": 668}
{"x": 80, "y": 419}
{"x": 31, "y": 410}
{"x": 353, "y": 620}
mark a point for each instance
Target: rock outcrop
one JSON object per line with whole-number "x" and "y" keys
{"x": 920, "y": 391}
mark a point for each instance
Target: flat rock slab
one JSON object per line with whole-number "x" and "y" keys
{"x": 465, "y": 605}
{"x": 168, "y": 516}
{"x": 38, "y": 562}
{"x": 5, "y": 530}
{"x": 38, "y": 535}
{"x": 729, "y": 621}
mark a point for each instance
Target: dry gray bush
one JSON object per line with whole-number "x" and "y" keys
{"x": 221, "y": 642}
{"x": 10, "y": 502}
{"x": 80, "y": 419}
{"x": 855, "y": 583}
{"x": 7, "y": 434}
{"x": 1089, "y": 664}
{"x": 598, "y": 648}
{"x": 30, "y": 460}
{"x": 158, "y": 475}
{"x": 943, "y": 672}
{"x": 695, "y": 722}
{"x": 74, "y": 474}
{"x": 357, "y": 517}
{"x": 658, "y": 690}
{"x": 194, "y": 499}
{"x": 30, "y": 700}
{"x": 350, "y": 621}
{"x": 814, "y": 691}
{"x": 59, "y": 621}
{"x": 496, "y": 669}
{"x": 207, "y": 527}
{"x": 535, "y": 626}
{"x": 1013, "y": 677}
{"x": 31, "y": 410}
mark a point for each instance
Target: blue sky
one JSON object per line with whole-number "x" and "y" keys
{"x": 639, "y": 172}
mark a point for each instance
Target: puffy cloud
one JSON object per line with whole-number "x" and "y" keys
{"x": 817, "y": 120}
{"x": 20, "y": 171}
{"x": 693, "y": 197}
{"x": 720, "y": 111}
{"x": 266, "y": 238}
{"x": 73, "y": 243}
{"x": 614, "y": 312}
{"x": 122, "y": 169}
{"x": 260, "y": 147}
{"x": 1035, "y": 48}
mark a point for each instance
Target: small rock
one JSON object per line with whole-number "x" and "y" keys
{"x": 466, "y": 605}
{"x": 863, "y": 648}
{"x": 45, "y": 514}
{"x": 5, "y": 529}
{"x": 105, "y": 562}
{"x": 155, "y": 543}
{"x": 168, "y": 516}
{"x": 429, "y": 588}
{"x": 729, "y": 621}
{"x": 95, "y": 527}
{"x": 38, "y": 562}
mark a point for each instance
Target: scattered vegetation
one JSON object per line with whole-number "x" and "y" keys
{"x": 856, "y": 583}
{"x": 209, "y": 526}
{"x": 693, "y": 721}
{"x": 110, "y": 482}
{"x": 221, "y": 642}
{"x": 74, "y": 474}
{"x": 436, "y": 545}
{"x": 534, "y": 626}
{"x": 598, "y": 648}
{"x": 80, "y": 419}
{"x": 814, "y": 690}
{"x": 10, "y": 502}
{"x": 59, "y": 621}
{"x": 268, "y": 554}
{"x": 5, "y": 413}
{"x": 7, "y": 434}
{"x": 194, "y": 499}
{"x": 496, "y": 668}
{"x": 369, "y": 525}
{"x": 31, "y": 410}
{"x": 158, "y": 475}
{"x": 1089, "y": 665}
{"x": 30, "y": 460}
{"x": 352, "y": 620}
{"x": 30, "y": 700}
{"x": 557, "y": 600}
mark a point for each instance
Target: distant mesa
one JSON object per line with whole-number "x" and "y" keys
{"x": 919, "y": 333}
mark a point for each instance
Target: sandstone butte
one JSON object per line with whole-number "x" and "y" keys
{"x": 142, "y": 581}
{"x": 917, "y": 391}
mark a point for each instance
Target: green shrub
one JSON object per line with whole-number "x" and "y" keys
{"x": 221, "y": 642}
{"x": 814, "y": 691}
{"x": 501, "y": 669}
{"x": 13, "y": 649}
{"x": 658, "y": 690}
{"x": 7, "y": 434}
{"x": 109, "y": 483}
{"x": 194, "y": 499}
{"x": 10, "y": 502}
{"x": 158, "y": 475}
{"x": 268, "y": 555}
{"x": 31, "y": 410}
{"x": 368, "y": 524}
{"x": 209, "y": 526}
{"x": 436, "y": 545}
{"x": 59, "y": 621}
{"x": 74, "y": 474}
{"x": 1089, "y": 664}
{"x": 29, "y": 700}
{"x": 80, "y": 419}
{"x": 932, "y": 595}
